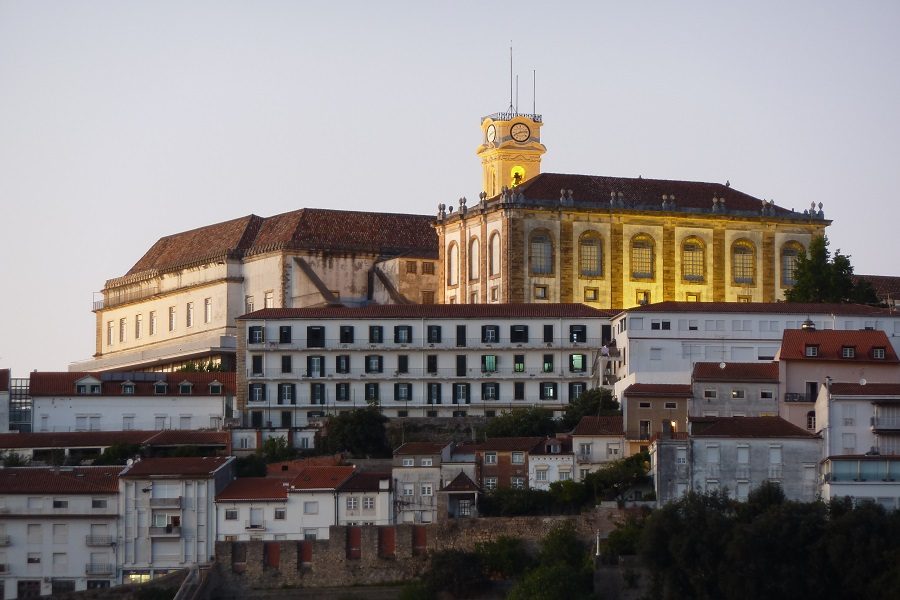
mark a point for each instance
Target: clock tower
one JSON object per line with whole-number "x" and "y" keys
{"x": 510, "y": 150}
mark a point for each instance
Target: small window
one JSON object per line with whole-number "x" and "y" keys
{"x": 518, "y": 334}
{"x": 548, "y": 391}
{"x": 231, "y": 514}
{"x": 376, "y": 334}
{"x": 671, "y": 405}
{"x": 353, "y": 502}
{"x": 518, "y": 458}
{"x": 402, "y": 334}
{"x": 310, "y": 508}
{"x": 737, "y": 394}
{"x": 490, "y": 458}
{"x": 427, "y": 297}
{"x": 490, "y": 483}
{"x": 184, "y": 389}
{"x": 160, "y": 388}
{"x": 578, "y": 333}
{"x": 409, "y": 462}
{"x": 643, "y": 404}
{"x": 346, "y": 334}
{"x": 427, "y": 462}
{"x": 547, "y": 363}
{"x": 878, "y": 353}
{"x": 60, "y": 503}
{"x": 848, "y": 352}
{"x": 766, "y": 394}
{"x": 591, "y": 294}
{"x": 280, "y": 514}
{"x": 519, "y": 390}
{"x": 812, "y": 351}
{"x": 710, "y": 394}
{"x": 434, "y": 334}
{"x": 411, "y": 267}
{"x": 519, "y": 363}
{"x": 427, "y": 268}
{"x": 128, "y": 389}
{"x": 490, "y": 334}
{"x": 98, "y": 502}
{"x": 540, "y": 292}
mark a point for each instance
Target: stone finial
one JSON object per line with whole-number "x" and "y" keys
{"x": 727, "y": 183}
{"x": 571, "y": 196}
{"x": 442, "y": 210}
{"x": 462, "y": 205}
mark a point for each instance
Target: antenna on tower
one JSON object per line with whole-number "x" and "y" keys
{"x": 534, "y": 91}
{"x": 517, "y": 93}
{"x": 511, "y": 109}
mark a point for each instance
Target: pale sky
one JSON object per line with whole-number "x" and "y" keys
{"x": 122, "y": 122}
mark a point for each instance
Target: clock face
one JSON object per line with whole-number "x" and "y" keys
{"x": 491, "y": 133}
{"x": 520, "y": 132}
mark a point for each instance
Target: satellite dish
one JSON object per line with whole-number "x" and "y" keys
{"x": 721, "y": 365}
{"x": 862, "y": 381}
{"x": 129, "y": 462}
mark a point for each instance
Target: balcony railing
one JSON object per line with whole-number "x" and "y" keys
{"x": 417, "y": 373}
{"x": 98, "y": 540}
{"x": 165, "y": 502}
{"x": 111, "y": 299}
{"x": 255, "y": 525}
{"x": 471, "y": 343}
{"x": 99, "y": 569}
{"x": 793, "y": 397}
{"x": 892, "y": 423}
{"x": 167, "y": 531}
{"x": 583, "y": 458}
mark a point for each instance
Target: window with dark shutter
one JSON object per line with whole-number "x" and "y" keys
{"x": 284, "y": 334}
{"x": 315, "y": 337}
{"x": 548, "y": 334}
{"x": 346, "y": 334}
{"x": 461, "y": 336}
{"x": 518, "y": 334}
{"x": 434, "y": 334}
{"x": 460, "y": 365}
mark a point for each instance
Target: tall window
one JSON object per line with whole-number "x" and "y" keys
{"x": 642, "y": 257}
{"x": 742, "y": 259}
{"x": 541, "y": 253}
{"x": 123, "y": 327}
{"x": 494, "y": 255}
{"x": 591, "y": 255}
{"x": 452, "y": 265}
{"x": 152, "y": 322}
{"x": 189, "y": 315}
{"x": 207, "y": 310}
{"x": 171, "y": 318}
{"x": 789, "y": 255}
{"x": 473, "y": 259}
{"x": 692, "y": 259}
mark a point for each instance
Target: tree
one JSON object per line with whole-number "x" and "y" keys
{"x": 591, "y": 403}
{"x": 504, "y": 557}
{"x": 455, "y": 571}
{"x": 360, "y": 432}
{"x": 276, "y": 449}
{"x": 613, "y": 480}
{"x": 819, "y": 277}
{"x": 522, "y": 422}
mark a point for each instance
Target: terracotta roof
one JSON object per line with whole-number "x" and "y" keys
{"x": 785, "y": 308}
{"x": 599, "y": 426}
{"x": 48, "y": 383}
{"x": 410, "y": 448}
{"x": 885, "y": 286}
{"x": 73, "y": 439}
{"x": 461, "y": 483}
{"x": 4, "y": 380}
{"x": 292, "y": 468}
{"x": 646, "y": 194}
{"x": 544, "y": 448}
{"x": 365, "y": 481}
{"x": 508, "y": 444}
{"x": 177, "y": 467}
{"x": 746, "y": 427}
{"x": 830, "y": 343}
{"x": 465, "y": 448}
{"x": 188, "y": 437}
{"x": 869, "y": 389}
{"x": 435, "y": 311}
{"x": 254, "y": 488}
{"x": 658, "y": 390}
{"x": 321, "y": 478}
{"x": 60, "y": 480}
{"x": 304, "y": 229}
{"x": 735, "y": 371}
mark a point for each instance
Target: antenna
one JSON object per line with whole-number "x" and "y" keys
{"x": 517, "y": 93}
{"x": 510, "y": 78}
{"x": 534, "y": 91}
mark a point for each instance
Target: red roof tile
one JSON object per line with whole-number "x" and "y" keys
{"x": 73, "y": 439}
{"x": 509, "y": 444}
{"x": 885, "y": 286}
{"x": 830, "y": 343}
{"x": 321, "y": 478}
{"x": 658, "y": 390}
{"x": 60, "y": 480}
{"x": 562, "y": 442}
{"x": 435, "y": 311}
{"x": 735, "y": 371}
{"x": 292, "y": 468}
{"x": 254, "y": 488}
{"x": 599, "y": 426}
{"x": 461, "y": 483}
{"x": 783, "y": 308}
{"x": 179, "y": 467}
{"x": 746, "y": 427}
{"x": 839, "y": 388}
{"x": 365, "y": 481}
{"x": 305, "y": 229}
{"x": 411, "y": 448}
{"x": 4, "y": 380}
{"x": 189, "y": 437}
{"x": 50, "y": 383}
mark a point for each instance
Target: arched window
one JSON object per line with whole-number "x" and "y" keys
{"x": 494, "y": 255}
{"x": 541, "y": 253}
{"x": 743, "y": 260}
{"x": 693, "y": 259}
{"x": 590, "y": 251}
{"x": 452, "y": 264}
{"x": 473, "y": 259}
{"x": 790, "y": 252}
{"x": 811, "y": 420}
{"x": 642, "y": 256}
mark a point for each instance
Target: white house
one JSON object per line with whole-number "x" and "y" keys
{"x": 417, "y": 479}
{"x": 727, "y": 389}
{"x": 58, "y": 530}
{"x": 597, "y": 441}
{"x": 366, "y": 498}
{"x": 313, "y": 499}
{"x": 125, "y": 401}
{"x": 549, "y": 462}
{"x": 255, "y": 508}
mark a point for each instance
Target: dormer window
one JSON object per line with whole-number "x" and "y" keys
{"x": 215, "y": 388}
{"x": 184, "y": 388}
{"x": 128, "y": 389}
{"x": 160, "y": 387}
{"x": 812, "y": 351}
{"x": 848, "y": 352}
{"x": 878, "y": 353}
{"x": 81, "y": 389}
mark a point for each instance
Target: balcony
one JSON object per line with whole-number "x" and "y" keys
{"x": 446, "y": 343}
{"x": 328, "y": 375}
{"x": 885, "y": 423}
{"x": 793, "y": 397}
{"x": 583, "y": 458}
{"x": 111, "y": 298}
{"x": 98, "y": 540}
{"x": 255, "y": 525}
{"x": 172, "y": 531}
{"x": 99, "y": 569}
{"x": 165, "y": 502}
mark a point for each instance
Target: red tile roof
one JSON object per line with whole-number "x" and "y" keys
{"x": 658, "y": 390}
{"x": 746, "y": 427}
{"x": 187, "y": 437}
{"x": 60, "y": 480}
{"x": 73, "y": 439}
{"x": 869, "y": 389}
{"x": 643, "y": 194}
{"x": 292, "y": 468}
{"x": 831, "y": 343}
{"x": 304, "y": 229}
{"x": 321, "y": 478}
{"x": 509, "y": 444}
{"x": 885, "y": 286}
{"x": 735, "y": 371}
{"x": 177, "y": 467}
{"x": 4, "y": 380}
{"x": 599, "y": 426}
{"x": 49, "y": 383}
{"x": 461, "y": 483}
{"x": 435, "y": 311}
{"x": 411, "y": 448}
{"x": 545, "y": 448}
{"x": 784, "y": 308}
{"x": 365, "y": 481}
{"x": 247, "y": 489}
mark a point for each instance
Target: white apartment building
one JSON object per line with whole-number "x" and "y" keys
{"x": 860, "y": 425}
{"x": 128, "y": 401}
{"x": 179, "y": 302}
{"x": 58, "y": 530}
{"x": 596, "y": 442}
{"x": 168, "y": 516}
{"x": 660, "y": 343}
{"x": 295, "y": 365}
